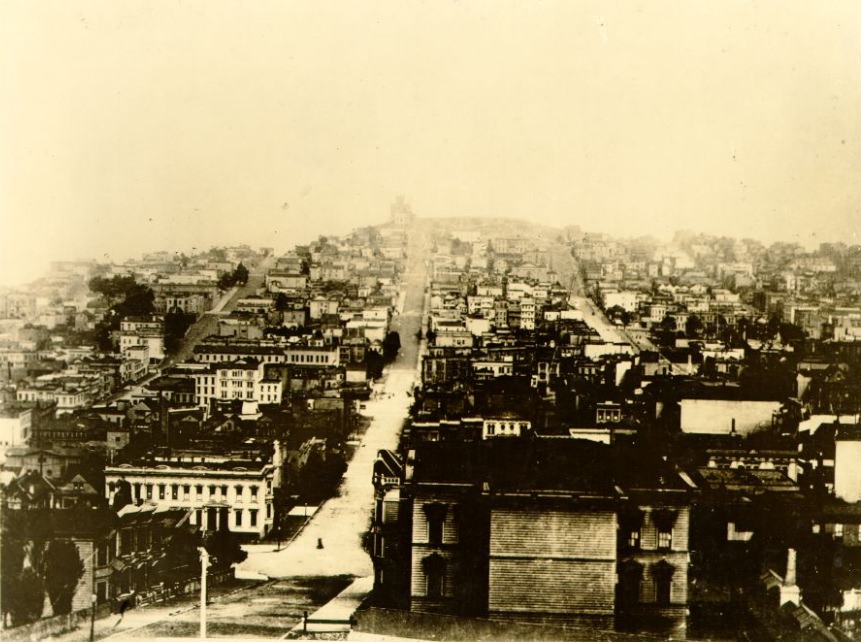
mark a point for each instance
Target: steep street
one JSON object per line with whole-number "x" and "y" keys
{"x": 341, "y": 521}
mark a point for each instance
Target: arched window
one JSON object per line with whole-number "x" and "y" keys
{"x": 434, "y": 569}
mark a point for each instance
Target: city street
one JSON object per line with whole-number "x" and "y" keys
{"x": 341, "y": 521}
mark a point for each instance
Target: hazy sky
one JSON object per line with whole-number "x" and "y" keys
{"x": 128, "y": 126}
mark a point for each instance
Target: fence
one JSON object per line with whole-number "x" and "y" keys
{"x": 50, "y": 626}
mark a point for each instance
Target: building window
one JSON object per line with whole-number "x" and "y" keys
{"x": 102, "y": 555}
{"x": 224, "y": 492}
{"x": 435, "y": 514}
{"x": 663, "y": 576}
{"x": 174, "y": 491}
{"x": 238, "y": 514}
{"x": 253, "y": 493}
{"x": 186, "y": 490}
{"x": 101, "y": 592}
{"x": 199, "y": 490}
{"x": 239, "y": 490}
{"x": 253, "y": 517}
{"x": 838, "y": 531}
{"x": 149, "y": 491}
{"x": 634, "y": 539}
{"x": 663, "y": 590}
{"x": 212, "y": 491}
{"x": 434, "y": 568}
{"x": 161, "y": 491}
{"x": 664, "y": 521}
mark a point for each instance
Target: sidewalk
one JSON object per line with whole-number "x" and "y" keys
{"x": 118, "y": 627}
{"x": 339, "y": 610}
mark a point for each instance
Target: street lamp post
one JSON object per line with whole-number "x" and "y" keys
{"x": 204, "y": 564}
{"x": 93, "y": 617}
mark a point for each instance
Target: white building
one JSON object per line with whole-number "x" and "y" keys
{"x": 847, "y": 472}
{"x": 245, "y": 379}
{"x": 504, "y": 425}
{"x": 208, "y": 484}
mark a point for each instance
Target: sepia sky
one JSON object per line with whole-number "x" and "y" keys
{"x": 128, "y": 126}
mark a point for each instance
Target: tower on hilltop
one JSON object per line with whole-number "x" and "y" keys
{"x": 402, "y": 213}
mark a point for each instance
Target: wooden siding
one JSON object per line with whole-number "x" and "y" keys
{"x": 552, "y": 586}
{"x": 681, "y": 528}
{"x": 420, "y": 522}
{"x": 418, "y": 587}
{"x": 390, "y": 512}
{"x": 552, "y": 561}
{"x": 678, "y": 586}
{"x": 536, "y": 533}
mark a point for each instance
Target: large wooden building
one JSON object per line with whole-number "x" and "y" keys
{"x": 534, "y": 530}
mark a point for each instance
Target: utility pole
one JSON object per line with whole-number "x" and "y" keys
{"x": 204, "y": 564}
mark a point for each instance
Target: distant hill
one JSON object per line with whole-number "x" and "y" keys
{"x": 493, "y": 227}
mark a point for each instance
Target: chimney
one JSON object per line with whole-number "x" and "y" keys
{"x": 789, "y": 591}
{"x": 790, "y": 577}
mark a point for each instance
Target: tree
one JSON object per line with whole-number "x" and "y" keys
{"x": 223, "y": 546}
{"x": 63, "y": 569}
{"x": 391, "y": 346}
{"x": 28, "y": 598}
{"x": 176, "y": 324}
{"x": 225, "y": 281}
{"x": 11, "y": 565}
{"x": 181, "y": 556}
{"x": 240, "y": 274}
{"x": 693, "y": 326}
{"x": 122, "y": 495}
{"x": 618, "y": 313}
{"x": 791, "y": 333}
{"x": 373, "y": 364}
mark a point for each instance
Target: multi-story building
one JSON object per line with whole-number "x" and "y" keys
{"x": 68, "y": 392}
{"x": 293, "y": 354}
{"x": 214, "y": 485}
{"x": 542, "y": 530}
{"x": 148, "y": 331}
{"x": 184, "y": 299}
{"x": 245, "y": 379}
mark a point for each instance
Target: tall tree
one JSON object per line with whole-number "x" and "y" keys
{"x": 391, "y": 346}
{"x": 11, "y": 565}
{"x": 63, "y": 569}
{"x": 224, "y": 547}
{"x": 240, "y": 274}
{"x": 28, "y": 598}
{"x": 181, "y": 556}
